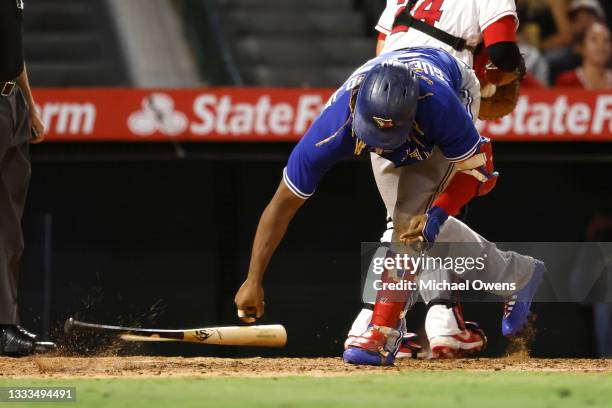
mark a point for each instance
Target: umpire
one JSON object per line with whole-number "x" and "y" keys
{"x": 20, "y": 125}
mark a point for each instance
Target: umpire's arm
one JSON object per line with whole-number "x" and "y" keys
{"x": 38, "y": 128}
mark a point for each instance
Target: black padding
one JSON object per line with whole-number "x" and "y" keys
{"x": 505, "y": 55}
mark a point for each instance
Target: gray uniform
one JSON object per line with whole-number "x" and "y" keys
{"x": 411, "y": 190}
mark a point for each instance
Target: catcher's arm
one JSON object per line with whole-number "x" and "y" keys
{"x": 500, "y": 67}
{"x": 270, "y": 231}
{"x": 380, "y": 43}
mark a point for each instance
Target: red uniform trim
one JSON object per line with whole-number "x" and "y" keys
{"x": 502, "y": 30}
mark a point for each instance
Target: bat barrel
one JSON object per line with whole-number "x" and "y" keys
{"x": 273, "y": 335}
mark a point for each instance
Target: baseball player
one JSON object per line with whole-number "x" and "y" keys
{"x": 472, "y": 31}
{"x": 393, "y": 106}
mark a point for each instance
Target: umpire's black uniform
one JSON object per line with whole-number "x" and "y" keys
{"x": 15, "y": 135}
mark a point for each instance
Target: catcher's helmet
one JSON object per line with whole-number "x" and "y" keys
{"x": 386, "y": 105}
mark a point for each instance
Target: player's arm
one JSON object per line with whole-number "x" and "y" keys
{"x": 475, "y": 177}
{"x": 472, "y": 158}
{"x": 500, "y": 67}
{"x": 385, "y": 24}
{"x": 270, "y": 231}
{"x": 311, "y": 158}
{"x": 500, "y": 44}
{"x": 380, "y": 43}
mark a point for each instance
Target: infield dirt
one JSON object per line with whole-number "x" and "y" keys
{"x": 146, "y": 366}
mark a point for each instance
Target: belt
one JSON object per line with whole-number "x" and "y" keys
{"x": 7, "y": 88}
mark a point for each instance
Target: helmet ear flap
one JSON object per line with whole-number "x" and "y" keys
{"x": 354, "y": 93}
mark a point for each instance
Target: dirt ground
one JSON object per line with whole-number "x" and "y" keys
{"x": 86, "y": 367}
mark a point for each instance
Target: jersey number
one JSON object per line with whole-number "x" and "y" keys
{"x": 429, "y": 11}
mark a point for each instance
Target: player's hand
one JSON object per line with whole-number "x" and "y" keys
{"x": 37, "y": 126}
{"x": 414, "y": 233}
{"x": 250, "y": 301}
{"x": 425, "y": 227}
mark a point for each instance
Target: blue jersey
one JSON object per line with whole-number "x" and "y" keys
{"x": 442, "y": 121}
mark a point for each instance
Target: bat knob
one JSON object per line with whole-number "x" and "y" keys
{"x": 68, "y": 325}
{"x": 248, "y": 316}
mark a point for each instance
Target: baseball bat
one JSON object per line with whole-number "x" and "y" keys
{"x": 273, "y": 335}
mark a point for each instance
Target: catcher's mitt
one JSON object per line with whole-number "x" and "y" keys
{"x": 502, "y": 103}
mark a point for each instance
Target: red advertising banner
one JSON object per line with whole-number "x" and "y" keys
{"x": 269, "y": 115}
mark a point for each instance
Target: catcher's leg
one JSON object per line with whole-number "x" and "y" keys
{"x": 449, "y": 336}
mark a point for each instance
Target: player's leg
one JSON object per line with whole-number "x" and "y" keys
{"x": 447, "y": 333}
{"x": 406, "y": 192}
{"x": 525, "y": 272}
{"x": 446, "y": 330}
{"x": 409, "y": 347}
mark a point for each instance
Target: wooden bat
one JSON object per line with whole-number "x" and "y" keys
{"x": 273, "y": 335}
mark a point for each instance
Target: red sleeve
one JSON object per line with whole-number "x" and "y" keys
{"x": 382, "y": 36}
{"x": 458, "y": 193}
{"x": 502, "y": 30}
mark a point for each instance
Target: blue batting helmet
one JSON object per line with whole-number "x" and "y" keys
{"x": 386, "y": 105}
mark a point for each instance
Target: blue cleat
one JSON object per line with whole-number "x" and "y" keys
{"x": 359, "y": 356}
{"x": 371, "y": 348}
{"x": 517, "y": 306}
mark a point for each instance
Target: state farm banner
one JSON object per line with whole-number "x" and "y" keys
{"x": 216, "y": 114}
{"x": 269, "y": 115}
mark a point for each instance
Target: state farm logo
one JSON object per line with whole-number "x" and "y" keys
{"x": 223, "y": 115}
{"x": 557, "y": 117}
{"x": 158, "y": 115}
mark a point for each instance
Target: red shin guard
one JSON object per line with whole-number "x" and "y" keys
{"x": 390, "y": 302}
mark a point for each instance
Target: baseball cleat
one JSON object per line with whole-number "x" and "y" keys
{"x": 470, "y": 340}
{"x": 373, "y": 347}
{"x": 409, "y": 348}
{"x": 517, "y": 306}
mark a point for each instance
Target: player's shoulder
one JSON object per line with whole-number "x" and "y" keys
{"x": 436, "y": 67}
{"x": 491, "y": 11}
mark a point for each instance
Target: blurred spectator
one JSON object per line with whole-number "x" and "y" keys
{"x": 595, "y": 47}
{"x": 545, "y": 23}
{"x": 538, "y": 73}
{"x": 555, "y": 28}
